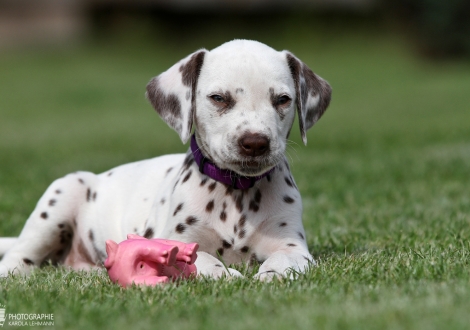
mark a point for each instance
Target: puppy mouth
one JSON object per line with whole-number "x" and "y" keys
{"x": 251, "y": 167}
{"x": 248, "y": 164}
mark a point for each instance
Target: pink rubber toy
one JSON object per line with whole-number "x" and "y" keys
{"x": 149, "y": 261}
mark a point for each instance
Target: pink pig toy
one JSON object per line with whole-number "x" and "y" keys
{"x": 149, "y": 261}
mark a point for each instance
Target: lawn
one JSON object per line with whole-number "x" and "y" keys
{"x": 385, "y": 181}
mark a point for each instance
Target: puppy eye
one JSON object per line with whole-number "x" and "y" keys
{"x": 283, "y": 99}
{"x": 217, "y": 98}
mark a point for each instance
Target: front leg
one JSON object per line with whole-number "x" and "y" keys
{"x": 285, "y": 263}
{"x": 208, "y": 265}
{"x": 282, "y": 244}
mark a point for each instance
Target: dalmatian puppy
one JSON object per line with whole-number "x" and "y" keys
{"x": 232, "y": 192}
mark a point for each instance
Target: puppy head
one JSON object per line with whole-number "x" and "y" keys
{"x": 241, "y": 96}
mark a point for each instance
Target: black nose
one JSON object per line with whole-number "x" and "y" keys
{"x": 253, "y": 144}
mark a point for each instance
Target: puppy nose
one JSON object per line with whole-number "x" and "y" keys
{"x": 253, "y": 144}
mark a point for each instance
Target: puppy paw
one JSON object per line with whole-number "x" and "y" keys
{"x": 268, "y": 276}
{"x": 218, "y": 271}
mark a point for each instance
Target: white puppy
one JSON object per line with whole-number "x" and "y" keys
{"x": 232, "y": 192}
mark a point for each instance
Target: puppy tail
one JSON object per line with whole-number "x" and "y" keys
{"x": 6, "y": 243}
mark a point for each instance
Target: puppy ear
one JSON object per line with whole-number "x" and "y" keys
{"x": 313, "y": 94}
{"x": 173, "y": 93}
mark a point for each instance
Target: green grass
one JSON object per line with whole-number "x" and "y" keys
{"x": 385, "y": 182}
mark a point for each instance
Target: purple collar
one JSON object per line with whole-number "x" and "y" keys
{"x": 227, "y": 177}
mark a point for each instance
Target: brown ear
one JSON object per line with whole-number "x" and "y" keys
{"x": 173, "y": 93}
{"x": 313, "y": 94}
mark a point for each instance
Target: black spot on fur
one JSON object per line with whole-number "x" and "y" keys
{"x": 44, "y": 215}
{"x": 258, "y": 196}
{"x": 242, "y": 233}
{"x": 226, "y": 244}
{"x": 239, "y": 203}
{"x": 254, "y": 203}
{"x": 253, "y": 206}
{"x": 88, "y": 194}
{"x": 212, "y": 186}
{"x": 245, "y": 249}
{"x": 168, "y": 170}
{"x": 91, "y": 236}
{"x": 61, "y": 225}
{"x": 282, "y": 224}
{"x": 239, "y": 90}
{"x": 191, "y": 161}
{"x": 242, "y": 220}
{"x": 28, "y": 262}
{"x": 203, "y": 182}
{"x": 223, "y": 216}
{"x": 301, "y": 235}
{"x": 229, "y": 190}
{"x": 188, "y": 161}
{"x": 268, "y": 177}
{"x": 52, "y": 202}
{"x": 94, "y": 196}
{"x": 178, "y": 208}
{"x": 81, "y": 181}
{"x": 217, "y": 265}
{"x": 162, "y": 201}
{"x": 174, "y": 187}
{"x": 288, "y": 200}
{"x": 210, "y": 206}
{"x": 191, "y": 220}
{"x": 58, "y": 191}
{"x": 291, "y": 244}
{"x": 149, "y": 233}
{"x": 110, "y": 173}
{"x": 288, "y": 181}
{"x": 235, "y": 229}
{"x": 186, "y": 178}
{"x": 220, "y": 252}
{"x": 180, "y": 228}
